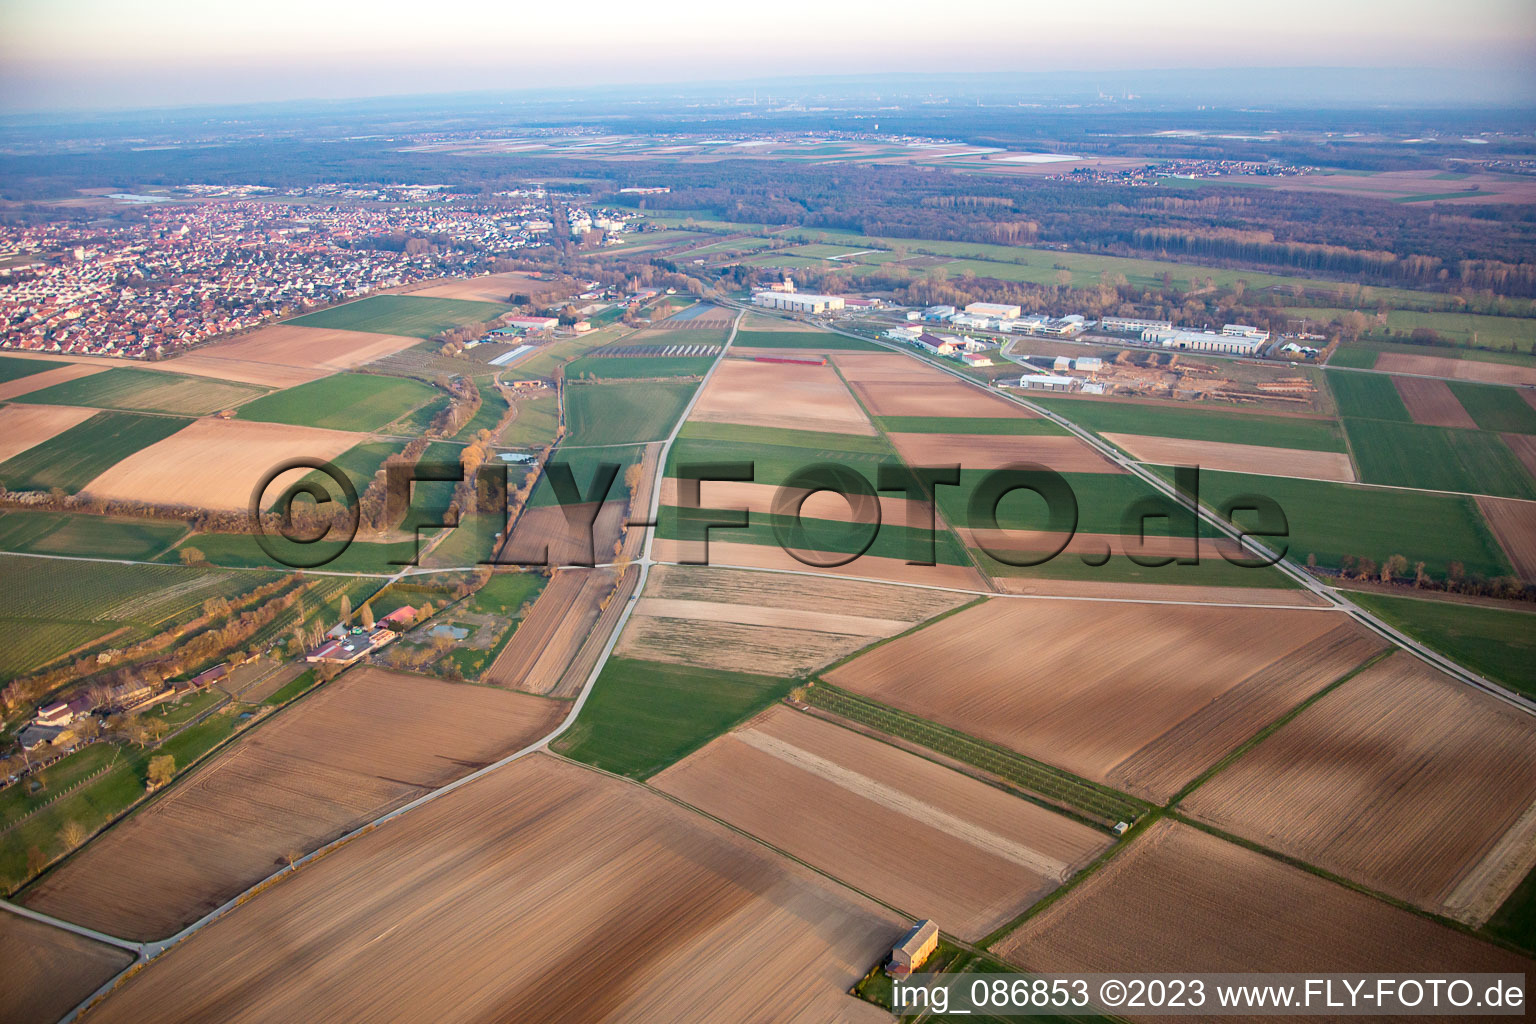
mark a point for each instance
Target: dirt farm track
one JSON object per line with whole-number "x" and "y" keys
{"x": 541, "y": 892}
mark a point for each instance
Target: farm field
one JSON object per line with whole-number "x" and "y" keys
{"x": 1495, "y": 408}
{"x": 131, "y": 389}
{"x": 865, "y": 811}
{"x": 586, "y": 871}
{"x": 1514, "y": 524}
{"x": 46, "y": 971}
{"x": 642, "y": 716}
{"x": 1195, "y": 424}
{"x": 328, "y": 765}
{"x": 940, "y": 398}
{"x": 62, "y": 533}
{"x": 1402, "y": 779}
{"x": 535, "y": 422}
{"x": 1499, "y": 643}
{"x": 282, "y": 355}
{"x": 623, "y": 413}
{"x": 1207, "y": 905}
{"x": 967, "y": 425}
{"x": 1362, "y": 355}
{"x": 25, "y": 426}
{"x": 345, "y": 401}
{"x": 493, "y": 409}
{"x": 1437, "y": 458}
{"x": 1431, "y": 402}
{"x": 1473, "y": 369}
{"x": 809, "y": 340}
{"x": 216, "y": 464}
{"x": 1236, "y": 458}
{"x": 1462, "y": 329}
{"x": 1367, "y": 396}
{"x": 803, "y": 397}
{"x": 74, "y": 457}
{"x": 535, "y": 660}
{"x": 61, "y": 605}
{"x": 12, "y": 368}
{"x": 1332, "y": 520}
{"x": 1060, "y": 452}
{"x": 1139, "y": 697}
{"x": 494, "y": 288}
{"x": 51, "y": 374}
{"x": 637, "y": 367}
{"x": 741, "y": 621}
{"x": 409, "y": 315}
{"x": 871, "y": 567}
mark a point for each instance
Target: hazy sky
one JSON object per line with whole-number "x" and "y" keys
{"x": 116, "y": 53}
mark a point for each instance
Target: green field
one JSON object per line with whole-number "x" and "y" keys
{"x": 1511, "y": 333}
{"x": 603, "y": 414}
{"x": 492, "y": 408}
{"x": 65, "y": 533}
{"x": 1437, "y": 458}
{"x": 131, "y": 389}
{"x": 73, "y": 458}
{"x": 890, "y": 540}
{"x": 773, "y": 462}
{"x": 405, "y": 315}
{"x": 51, "y": 607}
{"x": 1362, "y": 354}
{"x": 1495, "y": 642}
{"x": 1199, "y": 424}
{"x": 1496, "y": 408}
{"x": 1368, "y": 396}
{"x": 966, "y": 425}
{"x": 345, "y": 401}
{"x": 1211, "y": 571}
{"x": 1515, "y": 921}
{"x": 1331, "y": 520}
{"x": 535, "y": 424}
{"x": 629, "y": 367}
{"x": 12, "y": 368}
{"x": 813, "y": 340}
{"x": 643, "y": 716}
{"x": 584, "y": 464}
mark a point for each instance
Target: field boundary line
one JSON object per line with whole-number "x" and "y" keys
{"x": 69, "y": 926}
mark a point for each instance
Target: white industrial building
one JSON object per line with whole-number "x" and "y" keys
{"x": 1044, "y": 382}
{"x": 798, "y": 302}
{"x": 1205, "y": 341}
{"x": 1244, "y": 331}
{"x": 995, "y": 310}
{"x": 1131, "y": 325}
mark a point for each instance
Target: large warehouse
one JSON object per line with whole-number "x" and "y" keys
{"x": 996, "y": 310}
{"x": 798, "y": 302}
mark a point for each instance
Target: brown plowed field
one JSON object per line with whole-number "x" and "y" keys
{"x": 1060, "y": 452}
{"x": 640, "y": 500}
{"x": 215, "y": 464}
{"x": 1514, "y": 524}
{"x": 867, "y": 567}
{"x": 769, "y": 623}
{"x": 1269, "y": 596}
{"x": 493, "y": 288}
{"x": 284, "y": 355}
{"x": 867, "y": 813}
{"x": 48, "y": 378}
{"x": 890, "y": 366}
{"x": 935, "y": 398}
{"x": 1524, "y": 447}
{"x": 1456, "y": 369}
{"x": 1179, "y": 900}
{"x": 24, "y": 426}
{"x": 543, "y": 535}
{"x": 549, "y": 638}
{"x": 369, "y": 741}
{"x": 1089, "y": 686}
{"x": 1236, "y": 458}
{"x": 575, "y": 675}
{"x": 1432, "y": 402}
{"x": 45, "y": 971}
{"x": 790, "y": 396}
{"x": 542, "y": 892}
{"x": 1402, "y": 779}
{"x": 1195, "y": 745}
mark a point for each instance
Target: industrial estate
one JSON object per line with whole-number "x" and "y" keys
{"x": 569, "y": 575}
